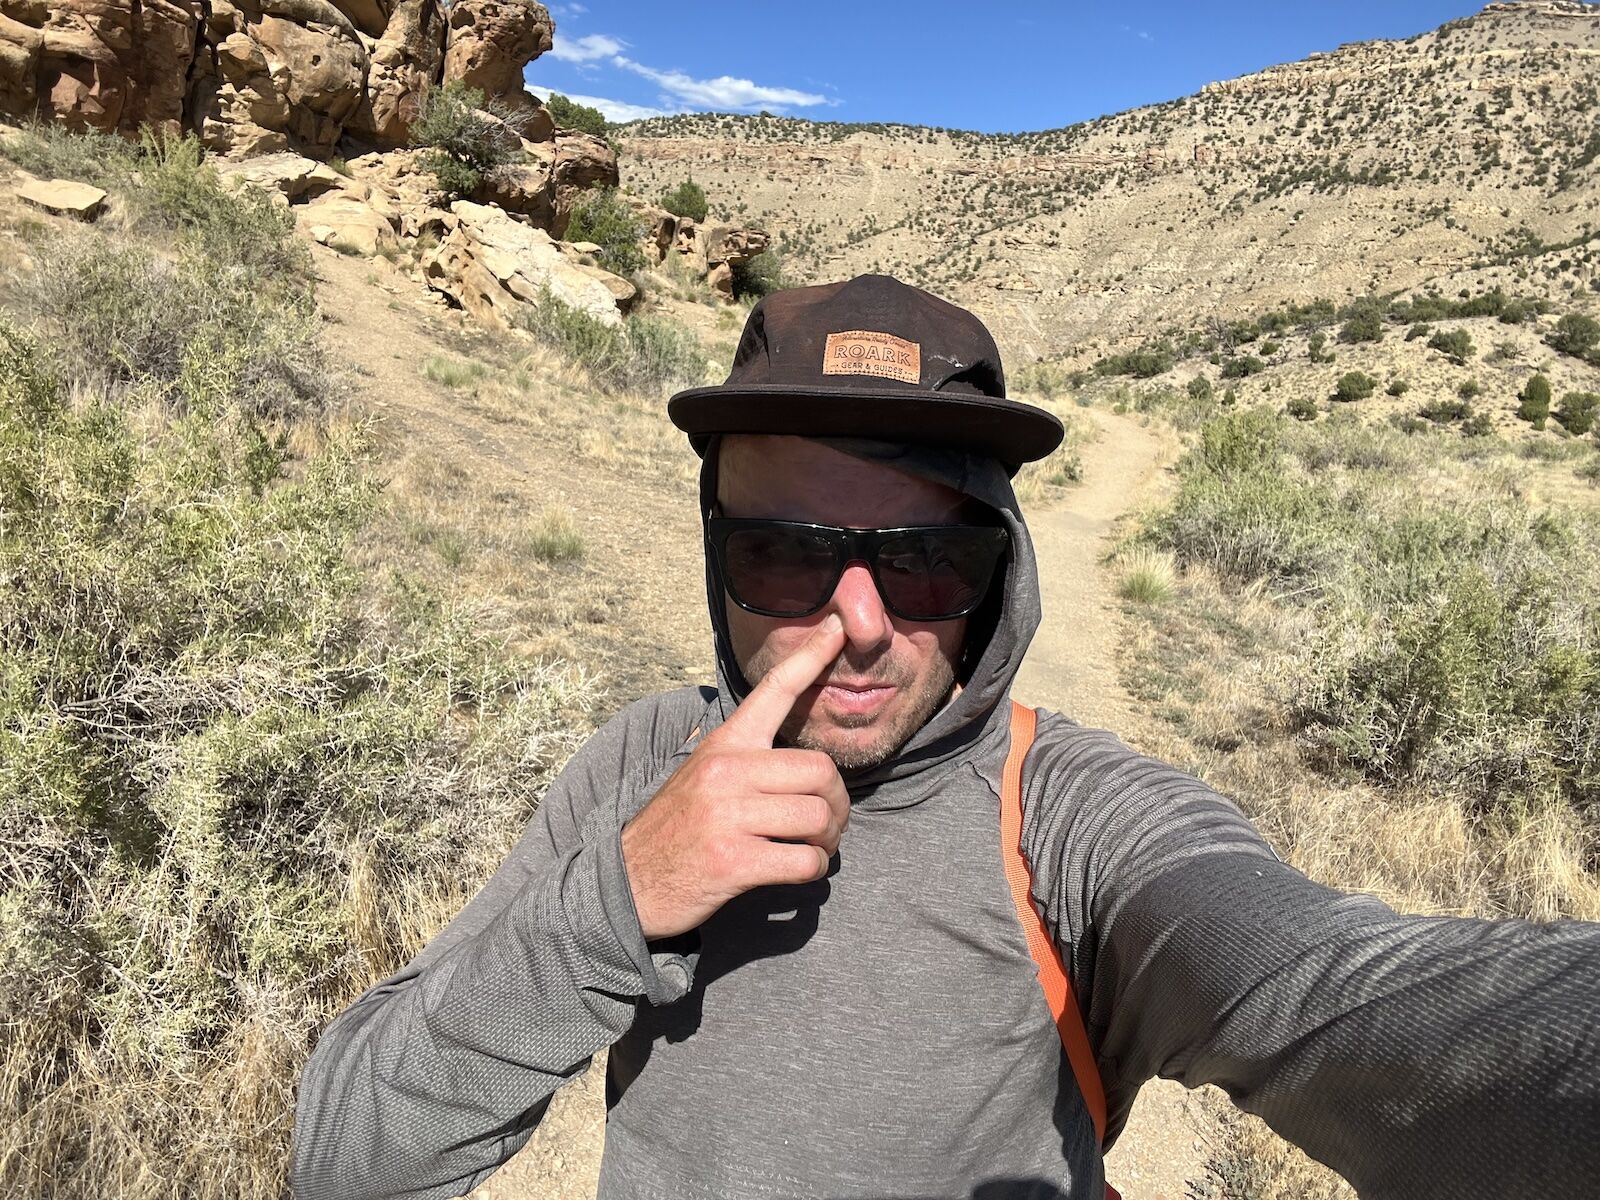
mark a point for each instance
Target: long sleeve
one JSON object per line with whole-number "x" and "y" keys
{"x": 1418, "y": 1056}
{"x": 435, "y": 1076}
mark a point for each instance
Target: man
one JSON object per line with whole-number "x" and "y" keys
{"x": 781, "y": 902}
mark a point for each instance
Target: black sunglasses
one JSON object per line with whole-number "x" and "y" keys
{"x": 790, "y": 569}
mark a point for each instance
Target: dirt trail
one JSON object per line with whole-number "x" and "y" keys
{"x": 1071, "y": 668}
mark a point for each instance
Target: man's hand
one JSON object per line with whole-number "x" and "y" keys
{"x": 738, "y": 814}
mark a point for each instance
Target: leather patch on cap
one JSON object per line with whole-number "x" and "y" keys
{"x": 867, "y": 352}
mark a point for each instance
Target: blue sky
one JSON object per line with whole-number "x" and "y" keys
{"x": 995, "y": 67}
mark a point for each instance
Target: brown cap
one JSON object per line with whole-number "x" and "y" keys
{"x": 871, "y": 357}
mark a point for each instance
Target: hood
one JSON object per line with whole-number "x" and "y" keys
{"x": 999, "y": 632}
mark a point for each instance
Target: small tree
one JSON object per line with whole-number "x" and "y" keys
{"x": 688, "y": 199}
{"x": 1456, "y": 345}
{"x": 759, "y": 275}
{"x": 1578, "y": 411}
{"x": 1200, "y": 388}
{"x": 465, "y": 138}
{"x": 1355, "y": 385}
{"x": 1535, "y": 406}
{"x": 568, "y": 114}
{"x": 1302, "y": 408}
{"x": 606, "y": 220}
{"x": 1575, "y": 334}
{"x": 1318, "y": 348}
{"x": 1364, "y": 323}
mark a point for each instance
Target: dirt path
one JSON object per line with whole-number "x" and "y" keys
{"x": 1071, "y": 667}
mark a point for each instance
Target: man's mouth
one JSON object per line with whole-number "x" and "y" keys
{"x": 856, "y": 697}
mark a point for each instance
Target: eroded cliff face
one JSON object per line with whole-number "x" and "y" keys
{"x": 260, "y": 76}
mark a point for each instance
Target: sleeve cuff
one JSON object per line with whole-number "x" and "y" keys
{"x": 663, "y": 977}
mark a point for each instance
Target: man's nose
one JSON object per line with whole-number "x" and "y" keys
{"x": 856, "y": 600}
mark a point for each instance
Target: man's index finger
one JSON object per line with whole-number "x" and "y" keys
{"x": 770, "y": 701}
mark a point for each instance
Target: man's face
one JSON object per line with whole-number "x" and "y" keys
{"x": 893, "y": 674}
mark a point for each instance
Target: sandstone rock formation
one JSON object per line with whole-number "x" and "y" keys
{"x": 490, "y": 264}
{"x": 492, "y": 40}
{"x": 260, "y": 76}
{"x": 711, "y": 251}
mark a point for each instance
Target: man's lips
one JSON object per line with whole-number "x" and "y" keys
{"x": 855, "y": 697}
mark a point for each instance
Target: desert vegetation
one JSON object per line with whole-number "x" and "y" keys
{"x": 1383, "y": 644}
{"x": 241, "y": 773}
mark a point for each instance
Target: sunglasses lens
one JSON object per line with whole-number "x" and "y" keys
{"x": 782, "y": 571}
{"x": 931, "y": 576}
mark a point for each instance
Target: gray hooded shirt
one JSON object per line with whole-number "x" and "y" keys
{"x": 882, "y": 1032}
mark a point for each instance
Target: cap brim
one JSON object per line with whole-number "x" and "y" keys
{"x": 1008, "y": 430}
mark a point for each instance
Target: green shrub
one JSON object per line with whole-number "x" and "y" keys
{"x": 1199, "y": 388}
{"x": 1478, "y": 424}
{"x": 1535, "y": 401}
{"x": 1516, "y": 312}
{"x": 1575, "y": 334}
{"x": 125, "y": 317}
{"x": 1398, "y": 387}
{"x": 1144, "y": 363}
{"x": 1453, "y": 650}
{"x": 1302, "y": 408}
{"x": 1364, "y": 324}
{"x": 688, "y": 199}
{"x": 1243, "y": 367}
{"x": 760, "y": 275}
{"x": 643, "y": 354}
{"x": 1354, "y": 385}
{"x": 1456, "y": 345}
{"x": 1469, "y": 389}
{"x": 604, "y": 218}
{"x": 568, "y": 114}
{"x": 1317, "y": 348}
{"x": 465, "y": 137}
{"x": 1578, "y": 409}
{"x": 1443, "y": 410}
{"x": 1268, "y": 349}
{"x": 1419, "y": 330}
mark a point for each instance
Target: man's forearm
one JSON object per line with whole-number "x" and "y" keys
{"x": 433, "y": 1078}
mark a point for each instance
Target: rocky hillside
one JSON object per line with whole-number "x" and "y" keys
{"x": 1460, "y": 158}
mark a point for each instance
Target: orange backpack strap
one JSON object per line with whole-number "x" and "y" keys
{"x": 1052, "y": 974}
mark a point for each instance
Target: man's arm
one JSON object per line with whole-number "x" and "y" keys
{"x": 1417, "y": 1056}
{"x": 438, "y": 1074}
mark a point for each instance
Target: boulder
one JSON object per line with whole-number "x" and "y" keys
{"x": 527, "y": 189}
{"x": 64, "y": 197}
{"x": 490, "y": 264}
{"x": 343, "y": 221}
{"x": 581, "y": 162}
{"x": 491, "y": 41}
{"x": 292, "y": 175}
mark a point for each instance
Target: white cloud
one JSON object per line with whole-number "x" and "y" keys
{"x": 722, "y": 92}
{"x": 588, "y": 48}
{"x": 621, "y": 110}
{"x": 568, "y": 10}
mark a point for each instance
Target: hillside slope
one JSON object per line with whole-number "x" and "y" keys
{"x": 1461, "y": 157}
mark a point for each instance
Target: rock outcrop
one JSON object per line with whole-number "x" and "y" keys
{"x": 63, "y": 197}
{"x": 491, "y": 41}
{"x": 711, "y": 251}
{"x": 263, "y": 76}
{"x": 490, "y": 265}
